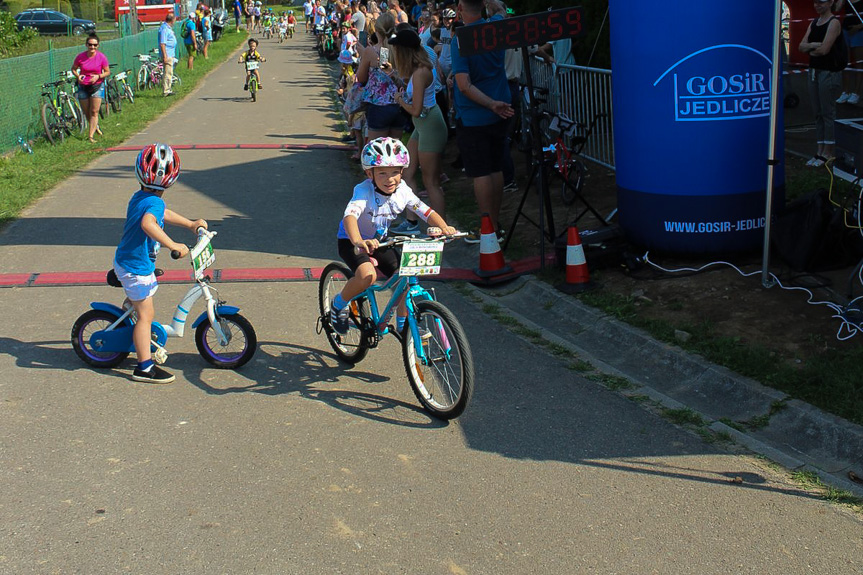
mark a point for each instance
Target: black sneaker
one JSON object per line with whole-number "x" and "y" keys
{"x": 155, "y": 375}
{"x": 340, "y": 320}
{"x": 245, "y": 87}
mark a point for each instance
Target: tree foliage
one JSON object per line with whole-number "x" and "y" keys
{"x": 10, "y": 37}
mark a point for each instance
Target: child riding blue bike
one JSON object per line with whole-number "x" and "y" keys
{"x": 376, "y": 203}
{"x": 157, "y": 168}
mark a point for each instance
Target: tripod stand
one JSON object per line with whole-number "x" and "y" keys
{"x": 541, "y": 166}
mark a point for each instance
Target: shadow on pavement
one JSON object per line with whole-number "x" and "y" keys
{"x": 303, "y": 227}
{"x": 281, "y": 368}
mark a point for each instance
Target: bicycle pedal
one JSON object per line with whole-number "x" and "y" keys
{"x": 160, "y": 356}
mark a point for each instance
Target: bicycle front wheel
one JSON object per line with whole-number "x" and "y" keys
{"x": 572, "y": 185}
{"x": 353, "y": 346}
{"x": 242, "y": 341}
{"x": 127, "y": 92}
{"x": 52, "y": 123}
{"x": 143, "y": 78}
{"x": 442, "y": 380}
{"x": 78, "y": 113}
{"x": 113, "y": 93}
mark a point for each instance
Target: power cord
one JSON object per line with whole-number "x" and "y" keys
{"x": 850, "y": 315}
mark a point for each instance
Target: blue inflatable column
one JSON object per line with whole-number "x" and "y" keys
{"x": 691, "y": 104}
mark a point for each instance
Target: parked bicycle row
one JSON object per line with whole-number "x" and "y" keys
{"x": 92, "y": 90}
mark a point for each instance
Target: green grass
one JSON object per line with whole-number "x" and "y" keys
{"x": 41, "y": 43}
{"x": 26, "y": 177}
{"x": 810, "y": 481}
{"x": 832, "y": 380}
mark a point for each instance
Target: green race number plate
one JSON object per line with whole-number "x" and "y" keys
{"x": 202, "y": 258}
{"x": 421, "y": 258}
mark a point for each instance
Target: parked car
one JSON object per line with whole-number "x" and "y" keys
{"x": 47, "y": 21}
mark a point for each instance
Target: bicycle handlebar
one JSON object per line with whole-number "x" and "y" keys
{"x": 395, "y": 240}
{"x": 202, "y": 233}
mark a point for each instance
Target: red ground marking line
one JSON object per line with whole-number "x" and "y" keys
{"x": 178, "y": 276}
{"x": 10, "y": 280}
{"x": 339, "y": 147}
{"x": 69, "y": 278}
{"x": 46, "y": 279}
{"x": 263, "y": 274}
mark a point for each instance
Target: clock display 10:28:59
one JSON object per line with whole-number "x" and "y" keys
{"x": 521, "y": 31}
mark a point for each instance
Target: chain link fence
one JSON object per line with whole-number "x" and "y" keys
{"x": 21, "y": 88}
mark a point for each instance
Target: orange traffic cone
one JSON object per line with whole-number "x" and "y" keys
{"x": 491, "y": 262}
{"x": 577, "y": 273}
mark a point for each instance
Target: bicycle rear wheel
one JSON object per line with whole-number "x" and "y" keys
{"x": 73, "y": 116}
{"x": 128, "y": 94}
{"x": 572, "y": 185}
{"x": 443, "y": 382}
{"x": 52, "y": 123}
{"x": 113, "y": 94}
{"x": 143, "y": 78}
{"x": 353, "y": 346}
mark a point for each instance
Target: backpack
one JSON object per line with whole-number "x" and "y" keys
{"x": 184, "y": 33}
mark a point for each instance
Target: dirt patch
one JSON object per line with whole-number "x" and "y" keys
{"x": 720, "y": 303}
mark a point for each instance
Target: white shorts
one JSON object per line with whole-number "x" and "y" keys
{"x": 137, "y": 288}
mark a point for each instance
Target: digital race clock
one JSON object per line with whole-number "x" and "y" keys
{"x": 521, "y": 31}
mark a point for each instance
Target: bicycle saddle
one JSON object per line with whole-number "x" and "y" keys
{"x": 113, "y": 281}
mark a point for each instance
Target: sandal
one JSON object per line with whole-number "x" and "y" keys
{"x": 816, "y": 161}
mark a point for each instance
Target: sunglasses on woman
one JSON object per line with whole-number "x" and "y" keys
{"x": 89, "y": 45}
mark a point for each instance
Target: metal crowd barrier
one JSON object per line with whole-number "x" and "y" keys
{"x": 582, "y": 94}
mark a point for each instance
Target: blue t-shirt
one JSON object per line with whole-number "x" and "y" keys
{"x": 488, "y": 74}
{"x": 137, "y": 251}
{"x": 192, "y": 27}
{"x": 169, "y": 39}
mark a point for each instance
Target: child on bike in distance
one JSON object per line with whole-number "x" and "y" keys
{"x": 376, "y": 202}
{"x": 250, "y": 55}
{"x": 156, "y": 168}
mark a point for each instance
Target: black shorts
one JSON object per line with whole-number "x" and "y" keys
{"x": 388, "y": 257}
{"x": 481, "y": 148}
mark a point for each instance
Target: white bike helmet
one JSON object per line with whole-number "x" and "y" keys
{"x": 449, "y": 13}
{"x": 385, "y": 153}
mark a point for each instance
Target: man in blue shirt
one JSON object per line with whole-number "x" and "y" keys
{"x": 482, "y": 105}
{"x": 168, "y": 51}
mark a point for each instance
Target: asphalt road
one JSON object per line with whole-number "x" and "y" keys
{"x": 300, "y": 464}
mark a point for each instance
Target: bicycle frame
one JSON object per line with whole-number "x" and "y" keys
{"x": 404, "y": 288}
{"x": 177, "y": 327}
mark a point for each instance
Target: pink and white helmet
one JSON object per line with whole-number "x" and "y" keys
{"x": 385, "y": 153}
{"x": 157, "y": 166}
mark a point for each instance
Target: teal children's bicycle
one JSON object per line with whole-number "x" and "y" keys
{"x": 435, "y": 349}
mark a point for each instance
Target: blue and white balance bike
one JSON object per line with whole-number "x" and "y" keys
{"x": 102, "y": 336}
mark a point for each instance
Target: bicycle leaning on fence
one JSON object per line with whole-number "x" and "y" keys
{"x": 150, "y": 73}
{"x": 435, "y": 350}
{"x": 61, "y": 111}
